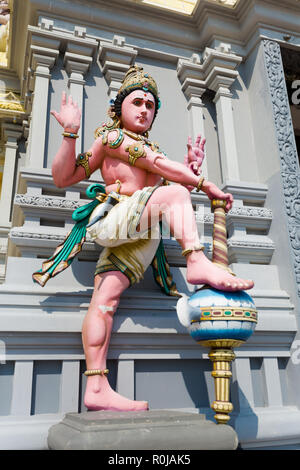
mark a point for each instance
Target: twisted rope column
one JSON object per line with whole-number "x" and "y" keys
{"x": 220, "y": 251}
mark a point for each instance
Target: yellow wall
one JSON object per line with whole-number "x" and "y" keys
{"x": 183, "y": 6}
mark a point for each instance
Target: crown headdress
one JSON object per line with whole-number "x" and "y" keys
{"x": 136, "y": 78}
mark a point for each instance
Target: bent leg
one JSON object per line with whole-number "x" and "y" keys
{"x": 173, "y": 202}
{"x": 96, "y": 333}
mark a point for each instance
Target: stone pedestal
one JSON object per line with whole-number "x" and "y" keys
{"x": 146, "y": 430}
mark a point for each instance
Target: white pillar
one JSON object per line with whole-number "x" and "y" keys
{"x": 76, "y": 84}
{"x": 12, "y": 133}
{"x": 242, "y": 374}
{"x": 226, "y": 133}
{"x": 125, "y": 378}
{"x": 272, "y": 381}
{"x": 115, "y": 58}
{"x": 69, "y": 391}
{"x": 77, "y": 60}
{"x": 22, "y": 389}
{"x": 220, "y": 70}
{"x": 191, "y": 74}
{"x": 196, "y": 108}
{"x": 41, "y": 65}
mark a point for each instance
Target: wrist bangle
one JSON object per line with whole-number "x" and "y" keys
{"x": 200, "y": 183}
{"x": 70, "y": 134}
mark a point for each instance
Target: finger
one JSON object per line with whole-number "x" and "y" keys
{"x": 198, "y": 140}
{"x": 63, "y": 98}
{"x": 70, "y": 101}
{"x": 189, "y": 141}
{"x": 54, "y": 113}
{"x": 57, "y": 117}
{"x": 202, "y": 144}
{"x": 229, "y": 197}
{"x": 228, "y": 207}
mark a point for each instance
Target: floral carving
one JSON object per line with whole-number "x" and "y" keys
{"x": 47, "y": 201}
{"x": 287, "y": 147}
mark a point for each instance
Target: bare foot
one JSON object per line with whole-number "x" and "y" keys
{"x": 100, "y": 396}
{"x": 200, "y": 270}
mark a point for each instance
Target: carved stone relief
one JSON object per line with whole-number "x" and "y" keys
{"x": 290, "y": 172}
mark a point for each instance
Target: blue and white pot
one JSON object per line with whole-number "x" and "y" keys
{"x": 210, "y": 314}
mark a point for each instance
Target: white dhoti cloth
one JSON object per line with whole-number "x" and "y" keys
{"x": 125, "y": 249}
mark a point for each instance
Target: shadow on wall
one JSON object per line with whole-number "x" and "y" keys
{"x": 243, "y": 419}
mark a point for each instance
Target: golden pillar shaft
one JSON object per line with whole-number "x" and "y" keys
{"x": 221, "y": 373}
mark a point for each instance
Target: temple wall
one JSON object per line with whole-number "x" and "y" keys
{"x": 215, "y": 83}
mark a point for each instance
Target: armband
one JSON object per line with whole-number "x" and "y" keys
{"x": 136, "y": 151}
{"x": 83, "y": 160}
{"x": 113, "y": 144}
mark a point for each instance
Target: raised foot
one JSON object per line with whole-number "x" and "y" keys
{"x": 200, "y": 270}
{"x": 102, "y": 397}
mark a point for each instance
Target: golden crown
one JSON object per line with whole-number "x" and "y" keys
{"x": 136, "y": 78}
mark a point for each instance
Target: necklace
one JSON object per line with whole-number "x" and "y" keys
{"x": 153, "y": 145}
{"x": 104, "y": 130}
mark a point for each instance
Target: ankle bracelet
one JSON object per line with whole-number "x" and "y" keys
{"x": 194, "y": 248}
{"x": 96, "y": 372}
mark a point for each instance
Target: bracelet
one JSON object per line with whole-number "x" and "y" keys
{"x": 200, "y": 183}
{"x": 70, "y": 134}
{"x": 96, "y": 372}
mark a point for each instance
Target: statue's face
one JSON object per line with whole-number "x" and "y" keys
{"x": 138, "y": 109}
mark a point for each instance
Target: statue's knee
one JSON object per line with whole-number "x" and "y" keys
{"x": 178, "y": 193}
{"x": 107, "y": 306}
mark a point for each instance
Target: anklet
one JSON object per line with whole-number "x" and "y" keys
{"x": 96, "y": 372}
{"x": 189, "y": 250}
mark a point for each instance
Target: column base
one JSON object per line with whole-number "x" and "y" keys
{"x": 146, "y": 430}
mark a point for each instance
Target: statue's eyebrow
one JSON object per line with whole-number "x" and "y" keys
{"x": 149, "y": 100}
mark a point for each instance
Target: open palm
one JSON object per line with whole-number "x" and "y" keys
{"x": 194, "y": 158}
{"x": 69, "y": 115}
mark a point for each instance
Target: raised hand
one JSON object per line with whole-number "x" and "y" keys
{"x": 69, "y": 114}
{"x": 195, "y": 156}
